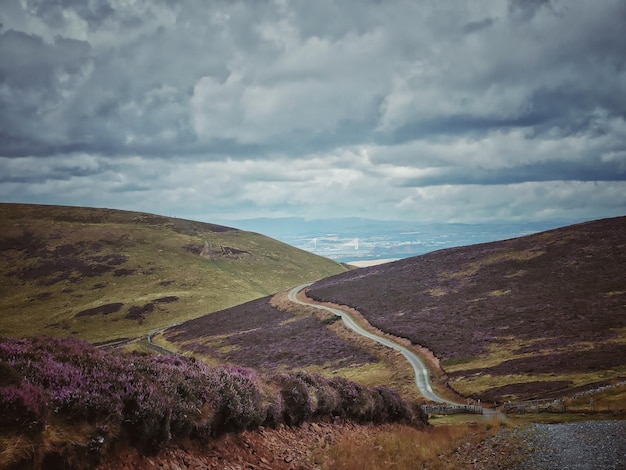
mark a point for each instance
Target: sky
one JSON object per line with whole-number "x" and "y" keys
{"x": 434, "y": 111}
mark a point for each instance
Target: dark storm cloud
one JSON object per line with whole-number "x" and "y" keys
{"x": 541, "y": 172}
{"x": 525, "y": 10}
{"x": 212, "y": 96}
{"x": 52, "y": 13}
{"x": 36, "y": 77}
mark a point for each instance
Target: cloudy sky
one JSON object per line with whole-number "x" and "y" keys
{"x": 420, "y": 110}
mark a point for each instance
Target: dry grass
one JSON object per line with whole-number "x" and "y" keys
{"x": 15, "y": 449}
{"x": 403, "y": 447}
{"x": 58, "y": 438}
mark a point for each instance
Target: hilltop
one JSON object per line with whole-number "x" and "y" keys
{"x": 109, "y": 276}
{"x": 535, "y": 316}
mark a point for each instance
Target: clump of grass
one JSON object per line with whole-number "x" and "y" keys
{"x": 15, "y": 449}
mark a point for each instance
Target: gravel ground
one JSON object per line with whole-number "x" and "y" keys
{"x": 584, "y": 445}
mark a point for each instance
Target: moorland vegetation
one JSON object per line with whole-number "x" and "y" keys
{"x": 66, "y": 404}
{"x": 538, "y": 316}
{"x": 532, "y": 317}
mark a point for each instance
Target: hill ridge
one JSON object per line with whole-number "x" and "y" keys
{"x": 103, "y": 274}
{"x": 557, "y": 295}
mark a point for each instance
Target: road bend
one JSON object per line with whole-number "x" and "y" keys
{"x": 422, "y": 380}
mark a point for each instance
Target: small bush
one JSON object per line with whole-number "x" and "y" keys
{"x": 392, "y": 408}
{"x": 298, "y": 397}
{"x": 239, "y": 403}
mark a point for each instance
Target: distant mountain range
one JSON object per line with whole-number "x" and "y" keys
{"x": 359, "y": 239}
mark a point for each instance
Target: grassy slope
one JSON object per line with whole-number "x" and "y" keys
{"x": 519, "y": 318}
{"x": 56, "y": 262}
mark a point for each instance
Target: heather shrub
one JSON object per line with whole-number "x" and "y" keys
{"x": 152, "y": 399}
{"x": 325, "y": 396}
{"x": 239, "y": 403}
{"x": 166, "y": 396}
{"x": 146, "y": 415}
{"x": 8, "y": 376}
{"x": 298, "y": 397}
{"x": 22, "y": 407}
{"x": 352, "y": 397}
{"x": 272, "y": 403}
{"x": 391, "y": 407}
{"x": 77, "y": 379}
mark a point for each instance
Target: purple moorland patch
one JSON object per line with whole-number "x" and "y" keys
{"x": 155, "y": 398}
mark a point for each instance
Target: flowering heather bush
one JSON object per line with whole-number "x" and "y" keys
{"x": 238, "y": 397}
{"x": 306, "y": 396}
{"x": 155, "y": 398}
{"x": 392, "y": 407}
{"x": 351, "y": 395}
{"x": 298, "y": 396}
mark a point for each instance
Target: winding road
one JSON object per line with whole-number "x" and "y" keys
{"x": 422, "y": 380}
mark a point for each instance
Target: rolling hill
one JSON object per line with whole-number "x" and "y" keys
{"x": 535, "y": 316}
{"x": 109, "y": 276}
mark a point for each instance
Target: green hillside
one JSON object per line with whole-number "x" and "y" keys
{"x": 107, "y": 275}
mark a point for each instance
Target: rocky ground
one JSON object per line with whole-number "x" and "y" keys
{"x": 583, "y": 445}
{"x": 587, "y": 445}
{"x": 270, "y": 449}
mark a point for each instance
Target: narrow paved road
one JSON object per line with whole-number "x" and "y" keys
{"x": 158, "y": 347}
{"x": 422, "y": 379}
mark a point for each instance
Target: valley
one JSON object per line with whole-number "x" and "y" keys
{"x": 536, "y": 318}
